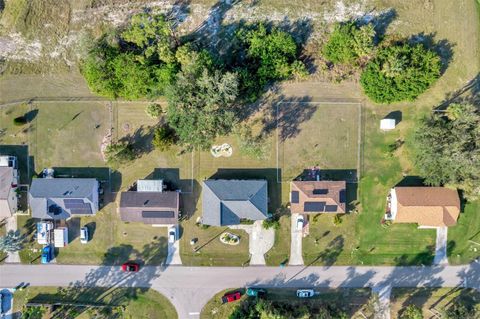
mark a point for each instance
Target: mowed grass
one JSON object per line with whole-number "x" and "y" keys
{"x": 280, "y": 252}
{"x": 352, "y": 301}
{"x": 464, "y": 238}
{"x": 137, "y": 303}
{"x": 328, "y": 137}
{"x": 398, "y": 243}
{"x": 432, "y": 301}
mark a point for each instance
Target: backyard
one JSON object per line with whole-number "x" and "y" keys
{"x": 135, "y": 302}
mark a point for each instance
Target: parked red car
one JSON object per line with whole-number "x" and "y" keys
{"x": 130, "y": 267}
{"x": 231, "y": 297}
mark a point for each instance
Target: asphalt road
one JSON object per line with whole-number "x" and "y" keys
{"x": 189, "y": 288}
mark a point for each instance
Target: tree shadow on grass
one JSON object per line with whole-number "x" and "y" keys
{"x": 285, "y": 114}
{"x": 469, "y": 93}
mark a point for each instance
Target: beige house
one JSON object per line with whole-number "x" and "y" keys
{"x": 8, "y": 187}
{"x": 314, "y": 197}
{"x": 425, "y": 206}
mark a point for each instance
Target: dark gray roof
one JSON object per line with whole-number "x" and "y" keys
{"x": 150, "y": 207}
{"x": 225, "y": 202}
{"x": 52, "y": 198}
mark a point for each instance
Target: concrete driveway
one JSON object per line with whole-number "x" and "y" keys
{"x": 173, "y": 257}
{"x": 296, "y": 257}
{"x": 12, "y": 257}
{"x": 261, "y": 240}
{"x": 441, "y": 247}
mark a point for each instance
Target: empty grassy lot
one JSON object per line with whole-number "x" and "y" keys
{"x": 432, "y": 301}
{"x": 352, "y": 301}
{"x": 137, "y": 303}
{"x": 317, "y": 134}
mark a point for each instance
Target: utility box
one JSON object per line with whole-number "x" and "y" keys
{"x": 44, "y": 233}
{"x": 60, "y": 237}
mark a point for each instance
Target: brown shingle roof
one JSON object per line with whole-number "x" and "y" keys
{"x": 150, "y": 207}
{"x": 427, "y": 206}
{"x": 317, "y": 197}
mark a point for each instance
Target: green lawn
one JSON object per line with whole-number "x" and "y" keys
{"x": 136, "y": 302}
{"x": 464, "y": 238}
{"x": 280, "y": 252}
{"x": 352, "y": 301}
{"x": 431, "y": 300}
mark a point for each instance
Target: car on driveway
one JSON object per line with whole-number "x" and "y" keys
{"x": 230, "y": 297}
{"x": 305, "y": 293}
{"x": 47, "y": 254}
{"x": 300, "y": 222}
{"x": 84, "y": 235}
{"x": 172, "y": 235}
{"x": 130, "y": 267}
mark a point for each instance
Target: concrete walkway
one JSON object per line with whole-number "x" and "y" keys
{"x": 190, "y": 288}
{"x": 382, "y": 306}
{"x": 441, "y": 246}
{"x": 11, "y": 224}
{"x": 296, "y": 256}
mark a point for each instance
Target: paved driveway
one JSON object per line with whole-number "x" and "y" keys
{"x": 261, "y": 240}
{"x": 12, "y": 257}
{"x": 173, "y": 257}
{"x": 296, "y": 257}
{"x": 441, "y": 247}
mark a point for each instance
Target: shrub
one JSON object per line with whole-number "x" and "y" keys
{"x": 154, "y": 110}
{"x": 19, "y": 121}
{"x": 411, "y": 312}
{"x": 270, "y": 222}
{"x": 400, "y": 72}
{"x": 163, "y": 138}
{"x": 119, "y": 153}
{"x": 337, "y": 220}
{"x": 349, "y": 42}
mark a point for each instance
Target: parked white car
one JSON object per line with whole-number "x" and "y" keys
{"x": 84, "y": 235}
{"x": 305, "y": 293}
{"x": 300, "y": 222}
{"x": 172, "y": 235}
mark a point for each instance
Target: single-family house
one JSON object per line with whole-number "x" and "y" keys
{"x": 150, "y": 204}
{"x": 425, "y": 206}
{"x": 62, "y": 198}
{"x": 314, "y": 197}
{"x": 227, "y": 202}
{"x": 8, "y": 187}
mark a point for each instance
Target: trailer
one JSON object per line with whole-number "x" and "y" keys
{"x": 60, "y": 236}
{"x": 44, "y": 232}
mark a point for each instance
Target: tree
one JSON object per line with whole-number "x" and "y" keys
{"x": 154, "y": 110}
{"x": 152, "y": 34}
{"x": 163, "y": 138}
{"x": 200, "y": 108}
{"x": 119, "y": 153}
{"x": 348, "y": 42}
{"x": 400, "y": 72}
{"x": 12, "y": 241}
{"x": 459, "y": 310}
{"x": 411, "y": 312}
{"x": 447, "y": 149}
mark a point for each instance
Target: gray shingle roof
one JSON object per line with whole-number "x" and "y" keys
{"x": 47, "y": 196}
{"x": 225, "y": 202}
{"x": 150, "y": 207}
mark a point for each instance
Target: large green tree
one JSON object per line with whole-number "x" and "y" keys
{"x": 201, "y": 106}
{"x": 400, "y": 72}
{"x": 447, "y": 149}
{"x": 12, "y": 241}
{"x": 411, "y": 312}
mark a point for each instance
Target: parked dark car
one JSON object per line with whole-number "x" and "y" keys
{"x": 47, "y": 254}
{"x": 130, "y": 267}
{"x": 230, "y": 297}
